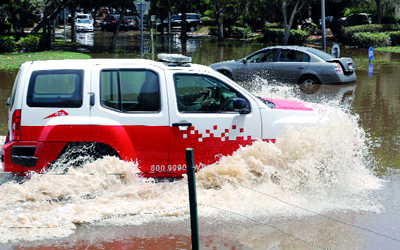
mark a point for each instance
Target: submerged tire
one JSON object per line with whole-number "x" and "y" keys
{"x": 75, "y": 155}
{"x": 309, "y": 84}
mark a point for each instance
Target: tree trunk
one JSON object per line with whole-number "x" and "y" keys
{"x": 288, "y": 26}
{"x": 73, "y": 24}
{"x": 51, "y": 17}
{"x": 113, "y": 45}
{"x": 183, "y": 24}
{"x": 378, "y": 10}
{"x": 220, "y": 23}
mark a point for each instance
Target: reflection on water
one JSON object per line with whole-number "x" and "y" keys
{"x": 312, "y": 168}
{"x": 85, "y": 38}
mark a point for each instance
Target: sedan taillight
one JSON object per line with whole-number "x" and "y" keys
{"x": 338, "y": 69}
{"x": 16, "y": 125}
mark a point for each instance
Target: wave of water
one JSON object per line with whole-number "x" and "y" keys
{"x": 323, "y": 169}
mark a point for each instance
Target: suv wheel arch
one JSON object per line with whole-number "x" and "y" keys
{"x": 75, "y": 154}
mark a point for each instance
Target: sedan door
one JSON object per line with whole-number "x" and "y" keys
{"x": 256, "y": 65}
{"x": 290, "y": 65}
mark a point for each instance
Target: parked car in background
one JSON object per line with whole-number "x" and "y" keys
{"x": 84, "y": 25}
{"x": 290, "y": 64}
{"x": 110, "y": 21}
{"x": 85, "y": 16}
{"x": 358, "y": 19}
{"x": 131, "y": 22}
{"x": 193, "y": 20}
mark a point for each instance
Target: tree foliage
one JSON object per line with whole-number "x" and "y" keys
{"x": 251, "y": 14}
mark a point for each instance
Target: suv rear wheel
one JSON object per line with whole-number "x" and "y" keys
{"x": 75, "y": 155}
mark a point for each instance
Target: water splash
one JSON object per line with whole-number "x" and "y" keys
{"x": 326, "y": 169}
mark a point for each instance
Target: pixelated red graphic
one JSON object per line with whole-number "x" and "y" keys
{"x": 215, "y": 127}
{"x": 56, "y": 114}
{"x": 233, "y": 126}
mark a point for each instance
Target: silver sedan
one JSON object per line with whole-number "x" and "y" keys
{"x": 290, "y": 64}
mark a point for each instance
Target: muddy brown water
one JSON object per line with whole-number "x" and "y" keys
{"x": 362, "y": 213}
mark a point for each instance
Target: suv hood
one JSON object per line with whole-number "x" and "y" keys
{"x": 289, "y": 104}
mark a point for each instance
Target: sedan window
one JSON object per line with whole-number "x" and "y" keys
{"x": 263, "y": 56}
{"x": 293, "y": 56}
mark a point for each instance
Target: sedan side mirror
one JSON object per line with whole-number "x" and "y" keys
{"x": 244, "y": 60}
{"x": 241, "y": 106}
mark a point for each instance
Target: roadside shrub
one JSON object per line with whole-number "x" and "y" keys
{"x": 7, "y": 44}
{"x": 238, "y": 32}
{"x": 367, "y": 39}
{"x": 312, "y": 28}
{"x": 232, "y": 32}
{"x": 208, "y": 21}
{"x": 348, "y": 32}
{"x": 395, "y": 37}
{"x": 273, "y": 25}
{"x": 28, "y": 44}
{"x": 297, "y": 37}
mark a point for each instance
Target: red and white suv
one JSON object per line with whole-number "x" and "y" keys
{"x": 138, "y": 110}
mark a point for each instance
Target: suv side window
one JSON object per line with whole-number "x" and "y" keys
{"x": 56, "y": 88}
{"x": 201, "y": 93}
{"x": 130, "y": 90}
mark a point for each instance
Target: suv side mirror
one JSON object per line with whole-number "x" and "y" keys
{"x": 8, "y": 100}
{"x": 241, "y": 106}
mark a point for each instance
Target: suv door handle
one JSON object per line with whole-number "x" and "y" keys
{"x": 301, "y": 67}
{"x": 91, "y": 99}
{"x": 181, "y": 124}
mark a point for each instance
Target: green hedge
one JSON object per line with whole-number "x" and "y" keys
{"x": 276, "y": 36}
{"x": 395, "y": 38}
{"x": 348, "y": 32}
{"x": 29, "y": 43}
{"x": 208, "y": 21}
{"x": 7, "y": 44}
{"x": 232, "y": 32}
{"x": 367, "y": 39}
{"x": 24, "y": 44}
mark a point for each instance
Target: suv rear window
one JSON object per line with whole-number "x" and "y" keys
{"x": 56, "y": 88}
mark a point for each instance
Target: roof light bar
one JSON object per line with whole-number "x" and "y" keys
{"x": 174, "y": 58}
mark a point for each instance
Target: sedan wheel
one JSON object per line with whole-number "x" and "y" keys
{"x": 309, "y": 84}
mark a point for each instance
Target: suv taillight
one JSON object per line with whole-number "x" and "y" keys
{"x": 16, "y": 125}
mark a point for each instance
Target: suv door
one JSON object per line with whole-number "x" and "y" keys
{"x": 129, "y": 112}
{"x": 202, "y": 117}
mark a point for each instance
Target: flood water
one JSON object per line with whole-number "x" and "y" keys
{"x": 310, "y": 190}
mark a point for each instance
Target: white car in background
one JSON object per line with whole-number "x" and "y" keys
{"x": 84, "y": 25}
{"x": 85, "y": 16}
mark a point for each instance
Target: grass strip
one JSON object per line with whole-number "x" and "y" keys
{"x": 14, "y": 60}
